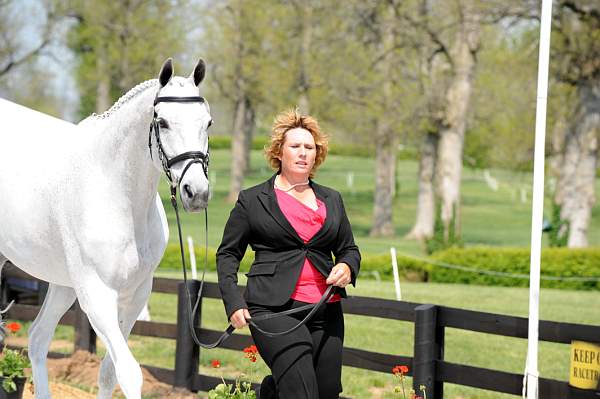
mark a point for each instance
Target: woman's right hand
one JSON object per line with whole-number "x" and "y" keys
{"x": 239, "y": 318}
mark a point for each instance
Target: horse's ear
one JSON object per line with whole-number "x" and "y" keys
{"x": 166, "y": 72}
{"x": 199, "y": 72}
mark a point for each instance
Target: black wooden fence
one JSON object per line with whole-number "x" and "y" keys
{"x": 427, "y": 367}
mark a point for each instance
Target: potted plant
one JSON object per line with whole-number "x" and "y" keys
{"x": 12, "y": 374}
{"x": 12, "y": 366}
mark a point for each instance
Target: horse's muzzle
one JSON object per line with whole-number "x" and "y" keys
{"x": 194, "y": 197}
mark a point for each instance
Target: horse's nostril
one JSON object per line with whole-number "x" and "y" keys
{"x": 188, "y": 190}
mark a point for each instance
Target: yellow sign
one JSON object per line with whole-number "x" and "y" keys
{"x": 585, "y": 365}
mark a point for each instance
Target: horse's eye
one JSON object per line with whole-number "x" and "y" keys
{"x": 163, "y": 124}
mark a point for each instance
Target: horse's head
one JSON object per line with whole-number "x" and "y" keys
{"x": 180, "y": 134}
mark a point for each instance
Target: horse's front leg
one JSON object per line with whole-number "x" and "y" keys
{"x": 58, "y": 300}
{"x": 129, "y": 309}
{"x": 101, "y": 304}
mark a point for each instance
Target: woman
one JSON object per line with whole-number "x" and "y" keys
{"x": 294, "y": 225}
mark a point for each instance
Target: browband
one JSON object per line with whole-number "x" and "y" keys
{"x": 167, "y": 99}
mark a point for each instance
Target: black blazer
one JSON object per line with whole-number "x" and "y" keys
{"x": 256, "y": 219}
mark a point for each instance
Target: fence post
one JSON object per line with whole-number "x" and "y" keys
{"x": 85, "y": 336}
{"x": 429, "y": 347}
{"x": 187, "y": 352}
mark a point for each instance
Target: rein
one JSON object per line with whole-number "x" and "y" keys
{"x": 203, "y": 158}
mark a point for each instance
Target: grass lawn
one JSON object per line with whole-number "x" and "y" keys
{"x": 498, "y": 218}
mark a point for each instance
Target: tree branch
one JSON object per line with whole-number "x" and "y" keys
{"x": 16, "y": 62}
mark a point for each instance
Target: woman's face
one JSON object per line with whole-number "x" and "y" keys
{"x": 298, "y": 153}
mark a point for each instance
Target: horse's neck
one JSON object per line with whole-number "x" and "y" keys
{"x": 122, "y": 147}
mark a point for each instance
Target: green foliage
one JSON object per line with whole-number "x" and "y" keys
{"x": 12, "y": 365}
{"x": 242, "y": 390}
{"x": 558, "y": 235}
{"x": 556, "y": 262}
{"x": 440, "y": 239}
{"x": 409, "y": 269}
{"x": 172, "y": 258}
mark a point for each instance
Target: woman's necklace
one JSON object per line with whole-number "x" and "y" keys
{"x": 277, "y": 186}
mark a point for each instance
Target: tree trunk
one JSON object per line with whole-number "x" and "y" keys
{"x": 239, "y": 147}
{"x": 125, "y": 79}
{"x": 452, "y": 133}
{"x": 303, "y": 78}
{"x": 103, "y": 100}
{"x": 249, "y": 124}
{"x": 385, "y": 142}
{"x": 575, "y": 191}
{"x": 385, "y": 150}
{"x": 424, "y": 224}
{"x": 556, "y": 158}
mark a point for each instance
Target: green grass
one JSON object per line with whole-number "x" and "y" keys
{"x": 497, "y": 218}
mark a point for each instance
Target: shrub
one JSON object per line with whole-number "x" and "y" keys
{"x": 556, "y": 262}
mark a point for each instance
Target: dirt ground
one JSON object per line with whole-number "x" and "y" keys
{"x": 81, "y": 369}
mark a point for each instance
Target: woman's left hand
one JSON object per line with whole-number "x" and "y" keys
{"x": 340, "y": 275}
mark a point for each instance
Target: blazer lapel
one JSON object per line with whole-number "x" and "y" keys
{"x": 269, "y": 201}
{"x": 331, "y": 210}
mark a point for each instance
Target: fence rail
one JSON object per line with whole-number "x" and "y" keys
{"x": 427, "y": 367}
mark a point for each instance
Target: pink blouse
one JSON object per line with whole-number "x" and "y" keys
{"x": 307, "y": 222}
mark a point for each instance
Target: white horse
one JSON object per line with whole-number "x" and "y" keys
{"x": 79, "y": 209}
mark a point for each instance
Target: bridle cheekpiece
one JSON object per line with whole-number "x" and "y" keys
{"x": 195, "y": 156}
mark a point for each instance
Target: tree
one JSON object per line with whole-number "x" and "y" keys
{"x": 236, "y": 38}
{"x": 451, "y": 42}
{"x": 121, "y": 43}
{"x": 24, "y": 76}
{"x": 14, "y": 51}
{"x": 576, "y": 63}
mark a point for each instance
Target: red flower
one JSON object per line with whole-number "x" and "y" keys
{"x": 251, "y": 353}
{"x": 400, "y": 370}
{"x": 215, "y": 363}
{"x": 14, "y": 327}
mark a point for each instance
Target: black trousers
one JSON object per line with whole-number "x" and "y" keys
{"x": 306, "y": 364}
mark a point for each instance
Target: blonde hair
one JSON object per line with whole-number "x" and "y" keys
{"x": 287, "y": 121}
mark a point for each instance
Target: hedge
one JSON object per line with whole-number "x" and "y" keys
{"x": 557, "y": 262}
{"x": 409, "y": 269}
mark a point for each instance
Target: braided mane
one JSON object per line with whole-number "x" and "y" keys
{"x": 126, "y": 97}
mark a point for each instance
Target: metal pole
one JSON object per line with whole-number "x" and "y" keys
{"x": 537, "y": 205}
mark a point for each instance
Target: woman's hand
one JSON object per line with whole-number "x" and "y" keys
{"x": 340, "y": 275}
{"x": 240, "y": 318}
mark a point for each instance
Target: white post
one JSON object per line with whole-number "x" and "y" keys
{"x": 350, "y": 181}
{"x": 192, "y": 258}
{"x": 396, "y": 276}
{"x": 537, "y": 203}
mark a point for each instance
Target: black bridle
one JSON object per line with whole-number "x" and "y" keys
{"x": 202, "y": 158}
{"x": 167, "y": 163}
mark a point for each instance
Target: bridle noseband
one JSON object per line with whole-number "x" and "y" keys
{"x": 167, "y": 163}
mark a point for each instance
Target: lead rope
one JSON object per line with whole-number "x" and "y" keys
{"x": 230, "y": 329}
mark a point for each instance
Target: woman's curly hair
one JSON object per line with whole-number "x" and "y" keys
{"x": 287, "y": 121}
